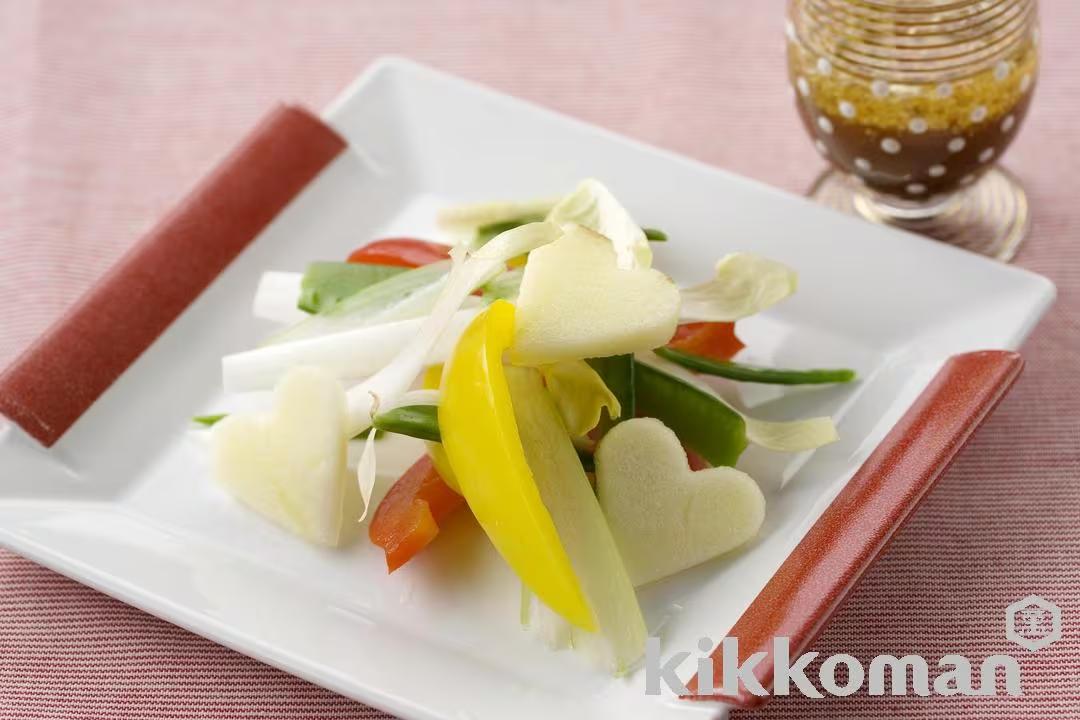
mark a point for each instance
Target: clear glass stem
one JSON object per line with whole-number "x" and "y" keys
{"x": 990, "y": 216}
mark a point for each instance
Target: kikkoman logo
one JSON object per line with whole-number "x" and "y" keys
{"x": 1032, "y": 623}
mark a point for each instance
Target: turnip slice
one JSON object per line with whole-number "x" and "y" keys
{"x": 584, "y": 532}
{"x": 576, "y": 303}
{"x": 664, "y": 516}
{"x": 352, "y": 354}
{"x": 289, "y": 464}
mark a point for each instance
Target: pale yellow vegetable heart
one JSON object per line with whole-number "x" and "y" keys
{"x": 664, "y": 516}
{"x": 290, "y": 464}
{"x": 576, "y": 303}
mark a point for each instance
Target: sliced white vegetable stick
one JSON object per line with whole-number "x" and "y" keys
{"x": 276, "y": 297}
{"x": 578, "y": 518}
{"x": 743, "y": 285}
{"x": 466, "y": 274}
{"x": 352, "y": 354}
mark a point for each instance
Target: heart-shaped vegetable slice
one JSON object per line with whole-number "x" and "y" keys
{"x": 664, "y": 516}
{"x": 576, "y": 303}
{"x": 289, "y": 464}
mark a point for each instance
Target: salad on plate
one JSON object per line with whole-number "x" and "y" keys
{"x": 557, "y": 379}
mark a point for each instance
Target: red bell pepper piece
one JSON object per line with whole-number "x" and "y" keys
{"x": 408, "y": 517}
{"x": 714, "y": 340}
{"x": 400, "y": 252}
{"x": 695, "y": 461}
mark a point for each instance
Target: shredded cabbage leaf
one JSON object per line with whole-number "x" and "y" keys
{"x": 580, "y": 395}
{"x": 791, "y": 436}
{"x": 744, "y": 284}
{"x": 593, "y": 206}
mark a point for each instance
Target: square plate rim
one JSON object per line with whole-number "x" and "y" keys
{"x": 198, "y": 622}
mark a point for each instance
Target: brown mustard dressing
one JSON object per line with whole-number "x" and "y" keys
{"x": 913, "y": 140}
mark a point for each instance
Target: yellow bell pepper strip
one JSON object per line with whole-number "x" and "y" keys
{"x": 422, "y": 423}
{"x": 481, "y": 439}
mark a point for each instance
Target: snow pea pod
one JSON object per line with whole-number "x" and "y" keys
{"x": 702, "y": 421}
{"x": 754, "y": 373}
{"x": 617, "y": 372}
{"x": 211, "y": 420}
{"x": 422, "y": 422}
{"x": 484, "y": 233}
{"x": 418, "y": 421}
{"x": 654, "y": 235}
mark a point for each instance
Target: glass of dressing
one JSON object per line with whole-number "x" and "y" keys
{"x": 913, "y": 102}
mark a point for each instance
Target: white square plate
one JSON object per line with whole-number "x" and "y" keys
{"x": 124, "y": 502}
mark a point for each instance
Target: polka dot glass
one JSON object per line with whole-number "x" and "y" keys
{"x": 915, "y": 99}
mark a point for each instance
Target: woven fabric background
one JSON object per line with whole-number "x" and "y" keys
{"x": 110, "y": 109}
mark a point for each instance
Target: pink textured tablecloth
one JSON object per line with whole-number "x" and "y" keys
{"x": 110, "y": 110}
